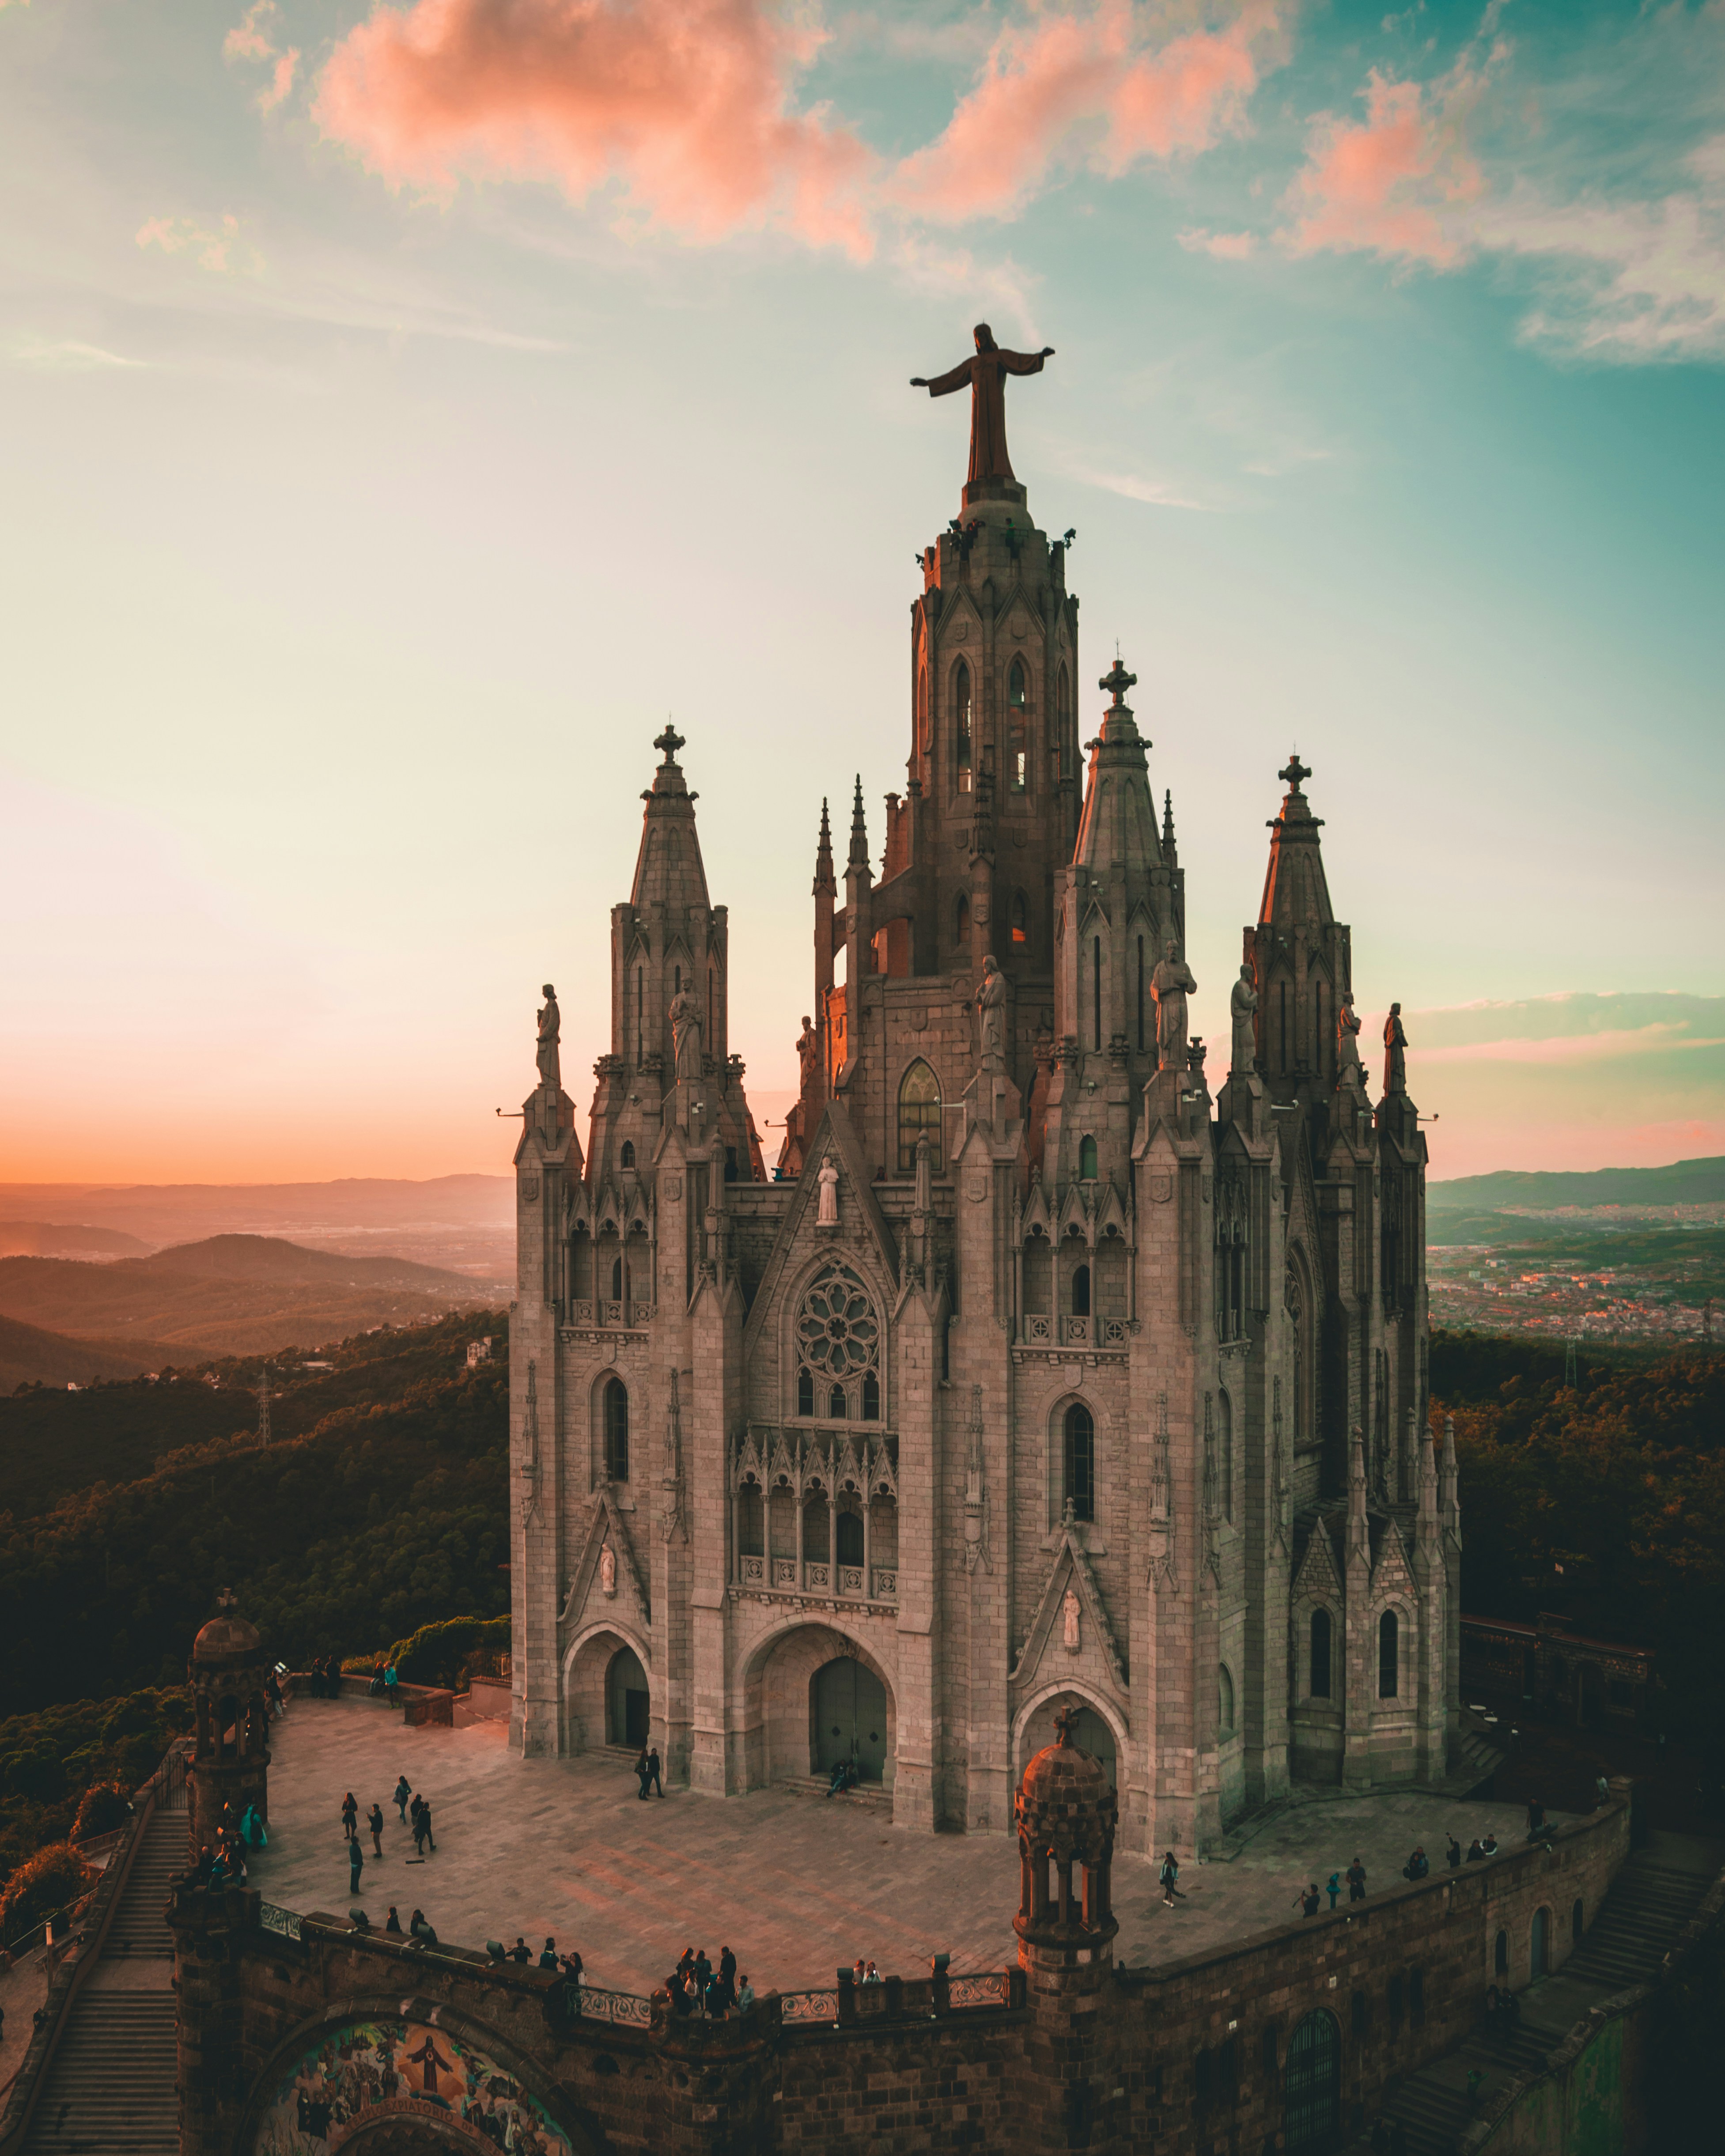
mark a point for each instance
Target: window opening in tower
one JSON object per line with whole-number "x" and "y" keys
{"x": 961, "y": 705}
{"x": 1015, "y": 686}
{"x": 1080, "y": 1462}
{"x": 1020, "y": 917}
{"x": 1141, "y": 995}
{"x": 1096, "y": 953}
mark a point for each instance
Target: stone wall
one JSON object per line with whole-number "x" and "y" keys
{"x": 1185, "y": 2056}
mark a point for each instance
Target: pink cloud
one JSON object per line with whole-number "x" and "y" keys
{"x": 683, "y": 103}
{"x": 1393, "y": 183}
{"x": 249, "y": 40}
{"x": 1225, "y": 246}
{"x": 1045, "y": 86}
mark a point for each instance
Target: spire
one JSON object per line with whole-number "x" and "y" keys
{"x": 1295, "y": 893}
{"x": 1450, "y": 1495}
{"x": 823, "y": 877}
{"x": 1427, "y": 1524}
{"x": 1168, "y": 818}
{"x": 1118, "y": 826}
{"x": 1358, "y": 1534}
{"x": 859, "y": 831}
{"x": 669, "y": 867}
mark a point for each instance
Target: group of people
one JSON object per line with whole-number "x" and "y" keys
{"x": 325, "y": 1678}
{"x": 414, "y": 1810}
{"x": 1310, "y": 1898}
{"x": 222, "y": 1862}
{"x": 418, "y": 1927}
{"x": 383, "y": 1682}
{"x": 647, "y": 1773}
{"x": 694, "y": 1986}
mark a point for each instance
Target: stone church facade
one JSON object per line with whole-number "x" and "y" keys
{"x": 1050, "y": 1366}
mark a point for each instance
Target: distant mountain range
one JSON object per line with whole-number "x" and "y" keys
{"x": 50, "y": 1239}
{"x": 29, "y": 1356}
{"x": 1682, "y": 1182}
{"x": 228, "y": 1295}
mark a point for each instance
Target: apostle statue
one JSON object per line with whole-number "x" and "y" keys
{"x": 827, "y": 1214}
{"x": 1170, "y": 985}
{"x": 1396, "y": 1053}
{"x": 686, "y": 1034}
{"x": 1243, "y": 1009}
{"x": 1347, "y": 1040}
{"x": 808, "y": 1054}
{"x": 986, "y": 375}
{"x": 991, "y": 1016}
{"x": 607, "y": 1571}
{"x": 1069, "y": 1609}
{"x": 550, "y": 1028}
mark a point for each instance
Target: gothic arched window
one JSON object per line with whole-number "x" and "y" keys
{"x": 1225, "y": 1437}
{"x": 870, "y": 1398}
{"x": 628, "y": 1153}
{"x": 960, "y": 920}
{"x": 850, "y": 1539}
{"x": 1080, "y": 1291}
{"x": 1079, "y": 1462}
{"x": 1015, "y": 686}
{"x": 838, "y": 1343}
{"x": 919, "y": 1115}
{"x": 961, "y": 724}
{"x": 1020, "y": 918}
{"x": 1087, "y": 1160}
{"x": 1320, "y": 1685}
{"x": 1224, "y": 1702}
{"x": 616, "y": 1412}
{"x": 1389, "y": 1654}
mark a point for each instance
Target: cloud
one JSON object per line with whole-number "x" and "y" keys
{"x": 1225, "y": 246}
{"x": 1621, "y": 277}
{"x": 219, "y": 248}
{"x": 1155, "y": 491}
{"x": 1001, "y": 290}
{"x": 1086, "y": 89}
{"x": 65, "y": 355}
{"x": 682, "y": 106}
{"x": 250, "y": 40}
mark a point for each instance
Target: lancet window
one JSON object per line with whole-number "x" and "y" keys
{"x": 961, "y": 723}
{"x": 838, "y": 1346}
{"x": 919, "y": 1115}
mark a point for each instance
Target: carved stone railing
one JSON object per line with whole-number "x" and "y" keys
{"x": 1114, "y": 1333}
{"x": 993, "y": 1990}
{"x": 784, "y": 1572}
{"x": 1076, "y": 1332}
{"x": 885, "y": 1585}
{"x": 628, "y": 2009}
{"x": 581, "y": 1312}
{"x": 850, "y": 1579}
{"x": 808, "y": 2006}
{"x": 1039, "y": 1330}
{"x": 611, "y": 1314}
{"x": 754, "y": 1571}
{"x": 286, "y": 1921}
{"x": 817, "y": 1576}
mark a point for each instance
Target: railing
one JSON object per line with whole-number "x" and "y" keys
{"x": 1076, "y": 1332}
{"x": 817, "y": 1575}
{"x": 784, "y": 1572}
{"x": 285, "y": 1922}
{"x": 1043, "y": 1331}
{"x": 817, "y": 1578}
{"x": 850, "y": 1579}
{"x": 627, "y": 2008}
{"x": 754, "y": 1572}
{"x": 885, "y": 1585}
{"x": 1039, "y": 1330}
{"x": 808, "y": 2006}
{"x": 993, "y": 1990}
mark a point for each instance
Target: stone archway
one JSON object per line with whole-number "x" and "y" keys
{"x": 1094, "y": 1733}
{"x": 599, "y": 1672}
{"x": 779, "y": 1698}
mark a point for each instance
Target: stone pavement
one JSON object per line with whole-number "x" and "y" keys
{"x": 795, "y": 1886}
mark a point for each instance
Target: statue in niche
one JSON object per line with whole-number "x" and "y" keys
{"x": 808, "y": 1054}
{"x": 991, "y": 1016}
{"x": 686, "y": 1034}
{"x": 607, "y": 1572}
{"x": 1243, "y": 1009}
{"x": 1069, "y": 1612}
{"x": 1170, "y": 985}
{"x": 1346, "y": 1039}
{"x": 550, "y": 1026}
{"x": 828, "y": 1215}
{"x": 1396, "y": 1053}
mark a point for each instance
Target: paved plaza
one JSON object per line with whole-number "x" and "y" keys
{"x": 794, "y": 1885}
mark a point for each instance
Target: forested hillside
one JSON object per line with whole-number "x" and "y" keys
{"x": 387, "y": 1510}
{"x": 1604, "y": 1499}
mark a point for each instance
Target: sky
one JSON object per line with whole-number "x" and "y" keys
{"x": 402, "y": 409}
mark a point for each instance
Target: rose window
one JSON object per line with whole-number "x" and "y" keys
{"x": 839, "y": 1349}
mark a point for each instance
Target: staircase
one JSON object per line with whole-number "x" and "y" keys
{"x": 110, "y": 2090}
{"x": 866, "y": 1796}
{"x": 1633, "y": 1929}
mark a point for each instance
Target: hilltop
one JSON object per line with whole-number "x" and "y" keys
{"x": 230, "y": 1294}
{"x": 1542, "y": 1190}
{"x": 29, "y": 1356}
{"x": 55, "y": 1239}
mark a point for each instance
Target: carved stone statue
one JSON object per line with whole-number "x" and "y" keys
{"x": 607, "y": 1571}
{"x": 1396, "y": 1053}
{"x": 686, "y": 1034}
{"x": 991, "y": 1016}
{"x": 1243, "y": 1008}
{"x": 986, "y": 375}
{"x": 550, "y": 1026}
{"x": 808, "y": 1053}
{"x": 828, "y": 1215}
{"x": 1170, "y": 985}
{"x": 1069, "y": 1609}
{"x": 1346, "y": 1039}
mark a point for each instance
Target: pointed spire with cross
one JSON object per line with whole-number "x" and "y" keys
{"x": 1296, "y": 773}
{"x": 670, "y": 741}
{"x": 1116, "y": 681}
{"x": 859, "y": 830}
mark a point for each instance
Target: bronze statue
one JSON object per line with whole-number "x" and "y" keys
{"x": 986, "y": 375}
{"x": 1396, "y": 1053}
{"x": 550, "y": 1030}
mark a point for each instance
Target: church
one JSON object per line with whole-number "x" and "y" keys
{"x": 1057, "y": 1362}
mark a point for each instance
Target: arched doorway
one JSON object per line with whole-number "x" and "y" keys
{"x": 1090, "y": 1734}
{"x": 847, "y": 1705}
{"x": 1314, "y": 2084}
{"x": 1539, "y": 1944}
{"x": 628, "y": 1701}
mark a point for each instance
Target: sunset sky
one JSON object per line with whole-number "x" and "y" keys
{"x": 405, "y": 408}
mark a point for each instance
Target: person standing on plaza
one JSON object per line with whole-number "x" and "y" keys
{"x": 642, "y": 1772}
{"x": 403, "y": 1792}
{"x": 652, "y": 1780}
{"x": 1356, "y": 1881}
{"x": 727, "y": 1972}
{"x": 416, "y": 1814}
{"x": 1308, "y": 1900}
{"x": 744, "y": 1995}
{"x": 273, "y": 1693}
{"x": 425, "y": 1822}
{"x": 1170, "y": 1875}
{"x": 394, "y": 1923}
{"x": 356, "y": 1864}
{"x": 1453, "y": 1853}
{"x": 374, "y": 1819}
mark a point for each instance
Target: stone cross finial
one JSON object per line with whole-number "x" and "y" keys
{"x": 225, "y": 1599}
{"x": 1295, "y": 772}
{"x": 670, "y": 741}
{"x": 1116, "y": 681}
{"x": 1065, "y": 1721}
